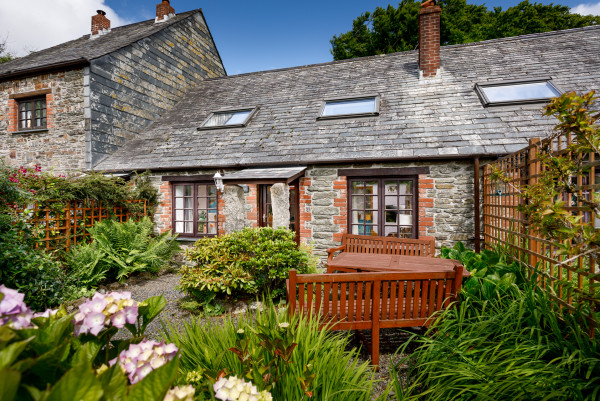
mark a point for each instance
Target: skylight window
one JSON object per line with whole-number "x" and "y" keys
{"x": 340, "y": 108}
{"x": 233, "y": 118}
{"x": 517, "y": 92}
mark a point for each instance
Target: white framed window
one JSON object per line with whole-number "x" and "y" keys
{"x": 228, "y": 118}
{"x": 350, "y": 107}
{"x": 517, "y": 92}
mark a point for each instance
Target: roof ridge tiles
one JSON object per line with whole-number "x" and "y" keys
{"x": 396, "y": 54}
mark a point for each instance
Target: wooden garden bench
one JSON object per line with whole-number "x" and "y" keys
{"x": 356, "y": 301}
{"x": 384, "y": 245}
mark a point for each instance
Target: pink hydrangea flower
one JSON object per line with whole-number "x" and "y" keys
{"x": 13, "y": 310}
{"x": 102, "y": 311}
{"x": 140, "y": 359}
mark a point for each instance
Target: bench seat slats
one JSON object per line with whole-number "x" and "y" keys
{"x": 373, "y": 300}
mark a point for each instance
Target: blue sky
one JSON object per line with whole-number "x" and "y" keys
{"x": 250, "y": 35}
{"x": 261, "y": 35}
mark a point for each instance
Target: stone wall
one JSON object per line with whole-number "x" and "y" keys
{"x": 61, "y": 146}
{"x": 445, "y": 203}
{"x": 132, "y": 87}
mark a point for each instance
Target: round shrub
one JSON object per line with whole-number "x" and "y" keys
{"x": 246, "y": 262}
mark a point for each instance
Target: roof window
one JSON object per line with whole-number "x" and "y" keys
{"x": 228, "y": 118}
{"x": 356, "y": 107}
{"x": 516, "y": 92}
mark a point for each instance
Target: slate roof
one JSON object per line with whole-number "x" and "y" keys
{"x": 83, "y": 49}
{"x": 419, "y": 119}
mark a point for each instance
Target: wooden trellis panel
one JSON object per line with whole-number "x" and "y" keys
{"x": 65, "y": 224}
{"x": 505, "y": 226}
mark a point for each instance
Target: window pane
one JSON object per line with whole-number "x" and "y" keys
{"x": 391, "y": 231}
{"x": 372, "y": 187}
{"x": 522, "y": 91}
{"x": 405, "y": 202}
{"x": 179, "y": 203}
{"x": 358, "y": 188}
{"x": 391, "y": 202}
{"x": 228, "y": 118}
{"x": 179, "y": 215}
{"x": 189, "y": 191}
{"x": 212, "y": 190}
{"x": 202, "y": 204}
{"x": 343, "y": 107}
{"x": 188, "y": 203}
{"x": 179, "y": 227}
{"x": 212, "y": 228}
{"x": 189, "y": 215}
{"x": 405, "y": 219}
{"x": 391, "y": 217}
{"x": 189, "y": 227}
{"x": 201, "y": 190}
{"x": 370, "y": 202}
{"x": 179, "y": 190}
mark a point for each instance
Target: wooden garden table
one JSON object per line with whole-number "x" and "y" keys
{"x": 373, "y": 262}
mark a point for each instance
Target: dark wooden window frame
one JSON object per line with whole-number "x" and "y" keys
{"x": 31, "y": 100}
{"x": 195, "y": 185}
{"x": 381, "y": 199}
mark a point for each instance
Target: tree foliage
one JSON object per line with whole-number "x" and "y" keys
{"x": 4, "y": 54}
{"x": 394, "y": 29}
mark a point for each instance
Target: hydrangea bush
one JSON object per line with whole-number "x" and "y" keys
{"x": 54, "y": 355}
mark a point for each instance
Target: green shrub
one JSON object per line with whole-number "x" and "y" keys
{"x": 493, "y": 275}
{"x": 42, "y": 358}
{"x": 119, "y": 250}
{"x": 289, "y": 355}
{"x": 250, "y": 261}
{"x": 514, "y": 347}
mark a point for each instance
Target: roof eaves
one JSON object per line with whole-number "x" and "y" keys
{"x": 80, "y": 62}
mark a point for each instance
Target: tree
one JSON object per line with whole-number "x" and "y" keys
{"x": 4, "y": 54}
{"x": 391, "y": 29}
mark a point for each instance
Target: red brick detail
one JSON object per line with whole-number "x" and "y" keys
{"x": 164, "y": 215}
{"x": 426, "y": 223}
{"x": 221, "y": 214}
{"x": 305, "y": 209}
{"x": 429, "y": 40}
{"x": 163, "y": 9}
{"x": 251, "y": 199}
{"x": 341, "y": 202}
{"x": 12, "y": 115}
{"x": 100, "y": 22}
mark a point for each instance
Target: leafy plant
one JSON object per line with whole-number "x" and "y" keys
{"x": 246, "y": 262}
{"x": 290, "y": 354}
{"x": 42, "y": 359}
{"x": 119, "y": 250}
{"x": 493, "y": 274}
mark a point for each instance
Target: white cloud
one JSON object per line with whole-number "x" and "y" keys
{"x": 587, "y": 9}
{"x": 30, "y": 25}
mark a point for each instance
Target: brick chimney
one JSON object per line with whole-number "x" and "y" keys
{"x": 100, "y": 24}
{"x": 164, "y": 11}
{"x": 429, "y": 39}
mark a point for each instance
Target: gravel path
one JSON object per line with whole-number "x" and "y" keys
{"x": 390, "y": 339}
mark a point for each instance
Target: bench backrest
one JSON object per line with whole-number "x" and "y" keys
{"x": 388, "y": 245}
{"x": 373, "y": 300}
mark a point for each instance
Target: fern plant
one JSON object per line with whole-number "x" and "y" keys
{"x": 120, "y": 249}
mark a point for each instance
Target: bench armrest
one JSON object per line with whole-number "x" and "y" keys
{"x": 331, "y": 251}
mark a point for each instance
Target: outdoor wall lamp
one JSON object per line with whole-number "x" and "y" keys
{"x": 219, "y": 181}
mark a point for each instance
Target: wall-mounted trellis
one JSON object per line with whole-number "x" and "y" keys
{"x": 567, "y": 281}
{"x": 64, "y": 224}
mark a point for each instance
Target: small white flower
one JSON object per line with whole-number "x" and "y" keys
{"x": 284, "y": 325}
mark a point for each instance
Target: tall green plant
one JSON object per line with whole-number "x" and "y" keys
{"x": 118, "y": 250}
{"x": 262, "y": 344}
{"x": 514, "y": 347}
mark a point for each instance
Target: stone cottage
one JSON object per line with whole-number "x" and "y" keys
{"x": 69, "y": 106}
{"x": 386, "y": 145}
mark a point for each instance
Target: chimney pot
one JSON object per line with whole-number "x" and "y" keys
{"x": 100, "y": 23}
{"x": 164, "y": 11}
{"x": 429, "y": 39}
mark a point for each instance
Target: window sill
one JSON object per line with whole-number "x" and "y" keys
{"x": 30, "y": 131}
{"x": 347, "y": 116}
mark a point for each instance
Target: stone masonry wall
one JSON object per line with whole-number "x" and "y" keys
{"x": 131, "y": 87}
{"x": 61, "y": 146}
{"x": 445, "y": 203}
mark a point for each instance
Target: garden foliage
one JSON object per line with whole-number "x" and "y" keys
{"x": 246, "y": 262}
{"x": 42, "y": 359}
{"x": 290, "y": 356}
{"x": 119, "y": 250}
{"x": 502, "y": 345}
